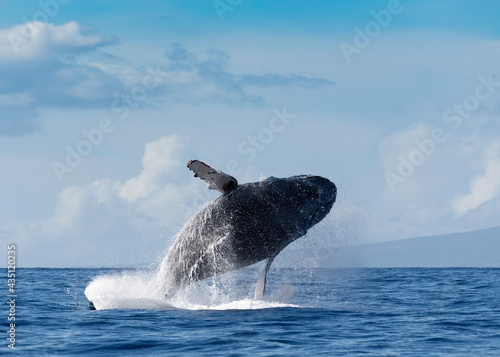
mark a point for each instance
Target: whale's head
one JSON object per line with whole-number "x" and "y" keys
{"x": 300, "y": 201}
{"x": 321, "y": 194}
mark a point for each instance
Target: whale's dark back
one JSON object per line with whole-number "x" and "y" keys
{"x": 253, "y": 222}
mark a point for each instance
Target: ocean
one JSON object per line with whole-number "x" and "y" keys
{"x": 306, "y": 312}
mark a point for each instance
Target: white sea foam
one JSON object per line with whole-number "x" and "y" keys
{"x": 139, "y": 290}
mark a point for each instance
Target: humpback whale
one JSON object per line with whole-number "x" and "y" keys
{"x": 247, "y": 224}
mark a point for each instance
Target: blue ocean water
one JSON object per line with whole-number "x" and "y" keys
{"x": 308, "y": 312}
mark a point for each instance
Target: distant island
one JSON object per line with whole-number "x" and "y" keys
{"x": 469, "y": 249}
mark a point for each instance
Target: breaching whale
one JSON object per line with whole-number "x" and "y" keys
{"x": 248, "y": 223}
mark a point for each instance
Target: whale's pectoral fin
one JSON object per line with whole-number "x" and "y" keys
{"x": 260, "y": 288}
{"x": 217, "y": 180}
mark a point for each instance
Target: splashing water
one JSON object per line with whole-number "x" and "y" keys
{"x": 139, "y": 290}
{"x": 191, "y": 258}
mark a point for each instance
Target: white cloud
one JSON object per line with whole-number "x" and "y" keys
{"x": 105, "y": 221}
{"x": 65, "y": 66}
{"x": 43, "y": 64}
{"x": 75, "y": 204}
{"x": 483, "y": 188}
{"x": 35, "y": 41}
{"x": 161, "y": 158}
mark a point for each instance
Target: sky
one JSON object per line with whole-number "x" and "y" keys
{"x": 102, "y": 103}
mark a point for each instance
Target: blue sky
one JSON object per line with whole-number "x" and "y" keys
{"x": 406, "y": 123}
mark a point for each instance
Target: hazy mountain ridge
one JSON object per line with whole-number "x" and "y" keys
{"x": 468, "y": 249}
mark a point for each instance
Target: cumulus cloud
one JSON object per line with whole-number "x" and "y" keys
{"x": 483, "y": 188}
{"x": 107, "y": 220}
{"x": 161, "y": 159}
